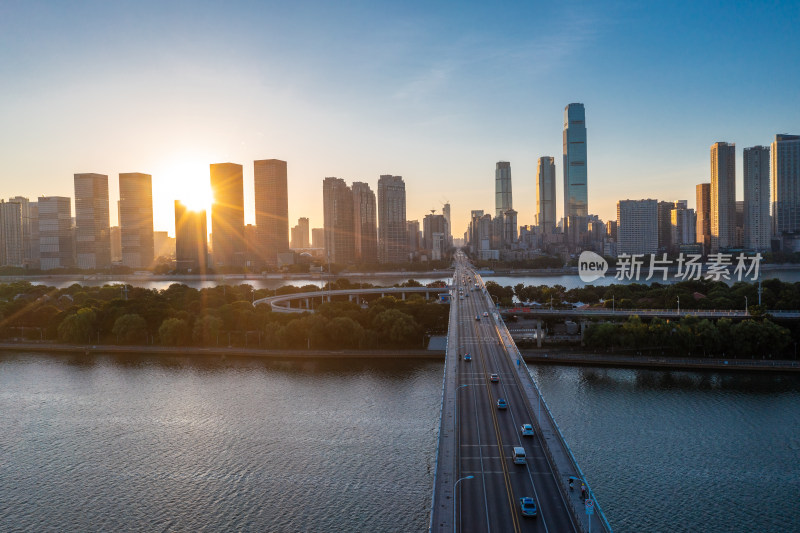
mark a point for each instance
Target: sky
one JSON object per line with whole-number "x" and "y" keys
{"x": 436, "y": 92}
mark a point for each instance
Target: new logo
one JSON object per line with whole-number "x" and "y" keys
{"x": 591, "y": 266}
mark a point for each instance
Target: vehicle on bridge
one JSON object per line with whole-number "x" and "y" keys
{"x": 467, "y": 357}
{"x": 485, "y": 313}
{"x": 477, "y": 317}
{"x": 494, "y": 378}
{"x": 502, "y": 404}
{"x": 519, "y": 455}
{"x": 528, "y": 506}
{"x": 526, "y": 430}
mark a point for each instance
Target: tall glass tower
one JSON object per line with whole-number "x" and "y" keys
{"x": 502, "y": 188}
{"x": 576, "y": 199}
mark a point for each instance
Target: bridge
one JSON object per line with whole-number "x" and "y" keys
{"x": 304, "y": 301}
{"x": 478, "y": 485}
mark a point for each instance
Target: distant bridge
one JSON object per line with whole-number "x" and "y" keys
{"x": 305, "y": 301}
{"x": 580, "y": 312}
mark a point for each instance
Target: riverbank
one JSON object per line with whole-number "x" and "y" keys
{"x": 577, "y": 358}
{"x": 217, "y": 351}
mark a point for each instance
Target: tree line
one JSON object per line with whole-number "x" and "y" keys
{"x": 215, "y": 316}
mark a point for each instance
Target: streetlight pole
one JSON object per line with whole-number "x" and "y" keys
{"x": 454, "y": 500}
{"x": 679, "y": 305}
{"x": 745, "y": 306}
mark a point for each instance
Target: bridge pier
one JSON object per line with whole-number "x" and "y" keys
{"x": 402, "y": 296}
{"x": 584, "y": 325}
{"x": 308, "y": 302}
{"x": 538, "y": 333}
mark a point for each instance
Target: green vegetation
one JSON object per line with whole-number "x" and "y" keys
{"x": 218, "y": 316}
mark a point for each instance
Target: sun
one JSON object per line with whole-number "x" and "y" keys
{"x": 187, "y": 180}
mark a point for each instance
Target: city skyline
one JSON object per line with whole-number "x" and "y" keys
{"x": 260, "y": 97}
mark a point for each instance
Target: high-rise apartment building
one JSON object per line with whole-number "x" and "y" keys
{"x": 546, "y": 194}
{"x": 337, "y": 204}
{"x": 302, "y": 224}
{"x": 682, "y": 225}
{"x": 785, "y": 173}
{"x": 637, "y": 227}
{"x": 412, "y": 229}
{"x": 703, "y": 210}
{"x": 433, "y": 224}
{"x": 272, "y": 209}
{"x": 116, "y": 244}
{"x": 723, "y": 196}
{"x": 757, "y": 223}
{"x": 55, "y": 232}
{"x": 576, "y": 199}
{"x": 136, "y": 219}
{"x": 365, "y": 226}
{"x": 92, "y": 232}
{"x": 12, "y": 251}
{"x": 392, "y": 238}
{"x": 227, "y": 215}
{"x": 191, "y": 239}
{"x": 502, "y": 188}
{"x": 665, "y": 225}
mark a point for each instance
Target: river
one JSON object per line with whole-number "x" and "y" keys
{"x": 182, "y": 444}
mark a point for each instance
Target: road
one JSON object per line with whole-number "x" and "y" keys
{"x": 487, "y": 435}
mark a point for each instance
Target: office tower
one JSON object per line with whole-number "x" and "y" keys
{"x": 294, "y": 238}
{"x": 576, "y": 200}
{"x": 136, "y": 219}
{"x": 611, "y": 229}
{"x": 392, "y": 238}
{"x": 757, "y": 223}
{"x": 365, "y": 226}
{"x": 27, "y": 227}
{"x": 55, "y": 232}
{"x": 682, "y": 225}
{"x": 318, "y": 238}
{"x": 412, "y": 229}
{"x": 785, "y": 172}
{"x": 738, "y": 241}
{"x": 252, "y": 255}
{"x": 546, "y": 194}
{"x": 272, "y": 209}
{"x": 164, "y": 245}
{"x": 449, "y": 230}
{"x": 302, "y": 224}
{"x": 337, "y": 205}
{"x": 723, "y": 196}
{"x": 92, "y": 234}
{"x": 637, "y": 227}
{"x": 703, "y": 210}
{"x": 502, "y": 188}
{"x": 191, "y": 239}
{"x": 33, "y": 242}
{"x": 227, "y": 215}
{"x": 116, "y": 244}
{"x": 12, "y": 251}
{"x": 665, "y": 226}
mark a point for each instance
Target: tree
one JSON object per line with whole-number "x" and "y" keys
{"x": 206, "y": 330}
{"x": 78, "y": 328}
{"x": 397, "y": 328}
{"x": 345, "y": 332}
{"x": 130, "y": 329}
{"x": 174, "y": 332}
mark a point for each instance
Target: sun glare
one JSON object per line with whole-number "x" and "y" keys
{"x": 188, "y": 181}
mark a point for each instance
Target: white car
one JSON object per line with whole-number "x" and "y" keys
{"x": 485, "y": 313}
{"x": 527, "y": 430}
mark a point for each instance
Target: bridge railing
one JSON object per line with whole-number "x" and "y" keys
{"x": 563, "y": 479}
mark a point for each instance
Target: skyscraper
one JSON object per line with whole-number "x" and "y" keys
{"x": 27, "y": 227}
{"x": 546, "y": 194}
{"x": 703, "y": 226}
{"x": 757, "y": 224}
{"x": 392, "y": 238}
{"x": 227, "y": 215}
{"x": 55, "y": 232}
{"x": 318, "y": 237}
{"x": 785, "y": 171}
{"x": 191, "y": 239}
{"x": 502, "y": 188}
{"x": 637, "y": 227}
{"x": 92, "y": 233}
{"x": 665, "y": 225}
{"x": 723, "y": 196}
{"x": 12, "y": 251}
{"x": 449, "y": 230}
{"x": 365, "y": 228}
{"x": 337, "y": 204}
{"x": 136, "y": 219}
{"x": 576, "y": 200}
{"x": 272, "y": 209}
{"x": 302, "y": 223}
{"x": 682, "y": 224}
